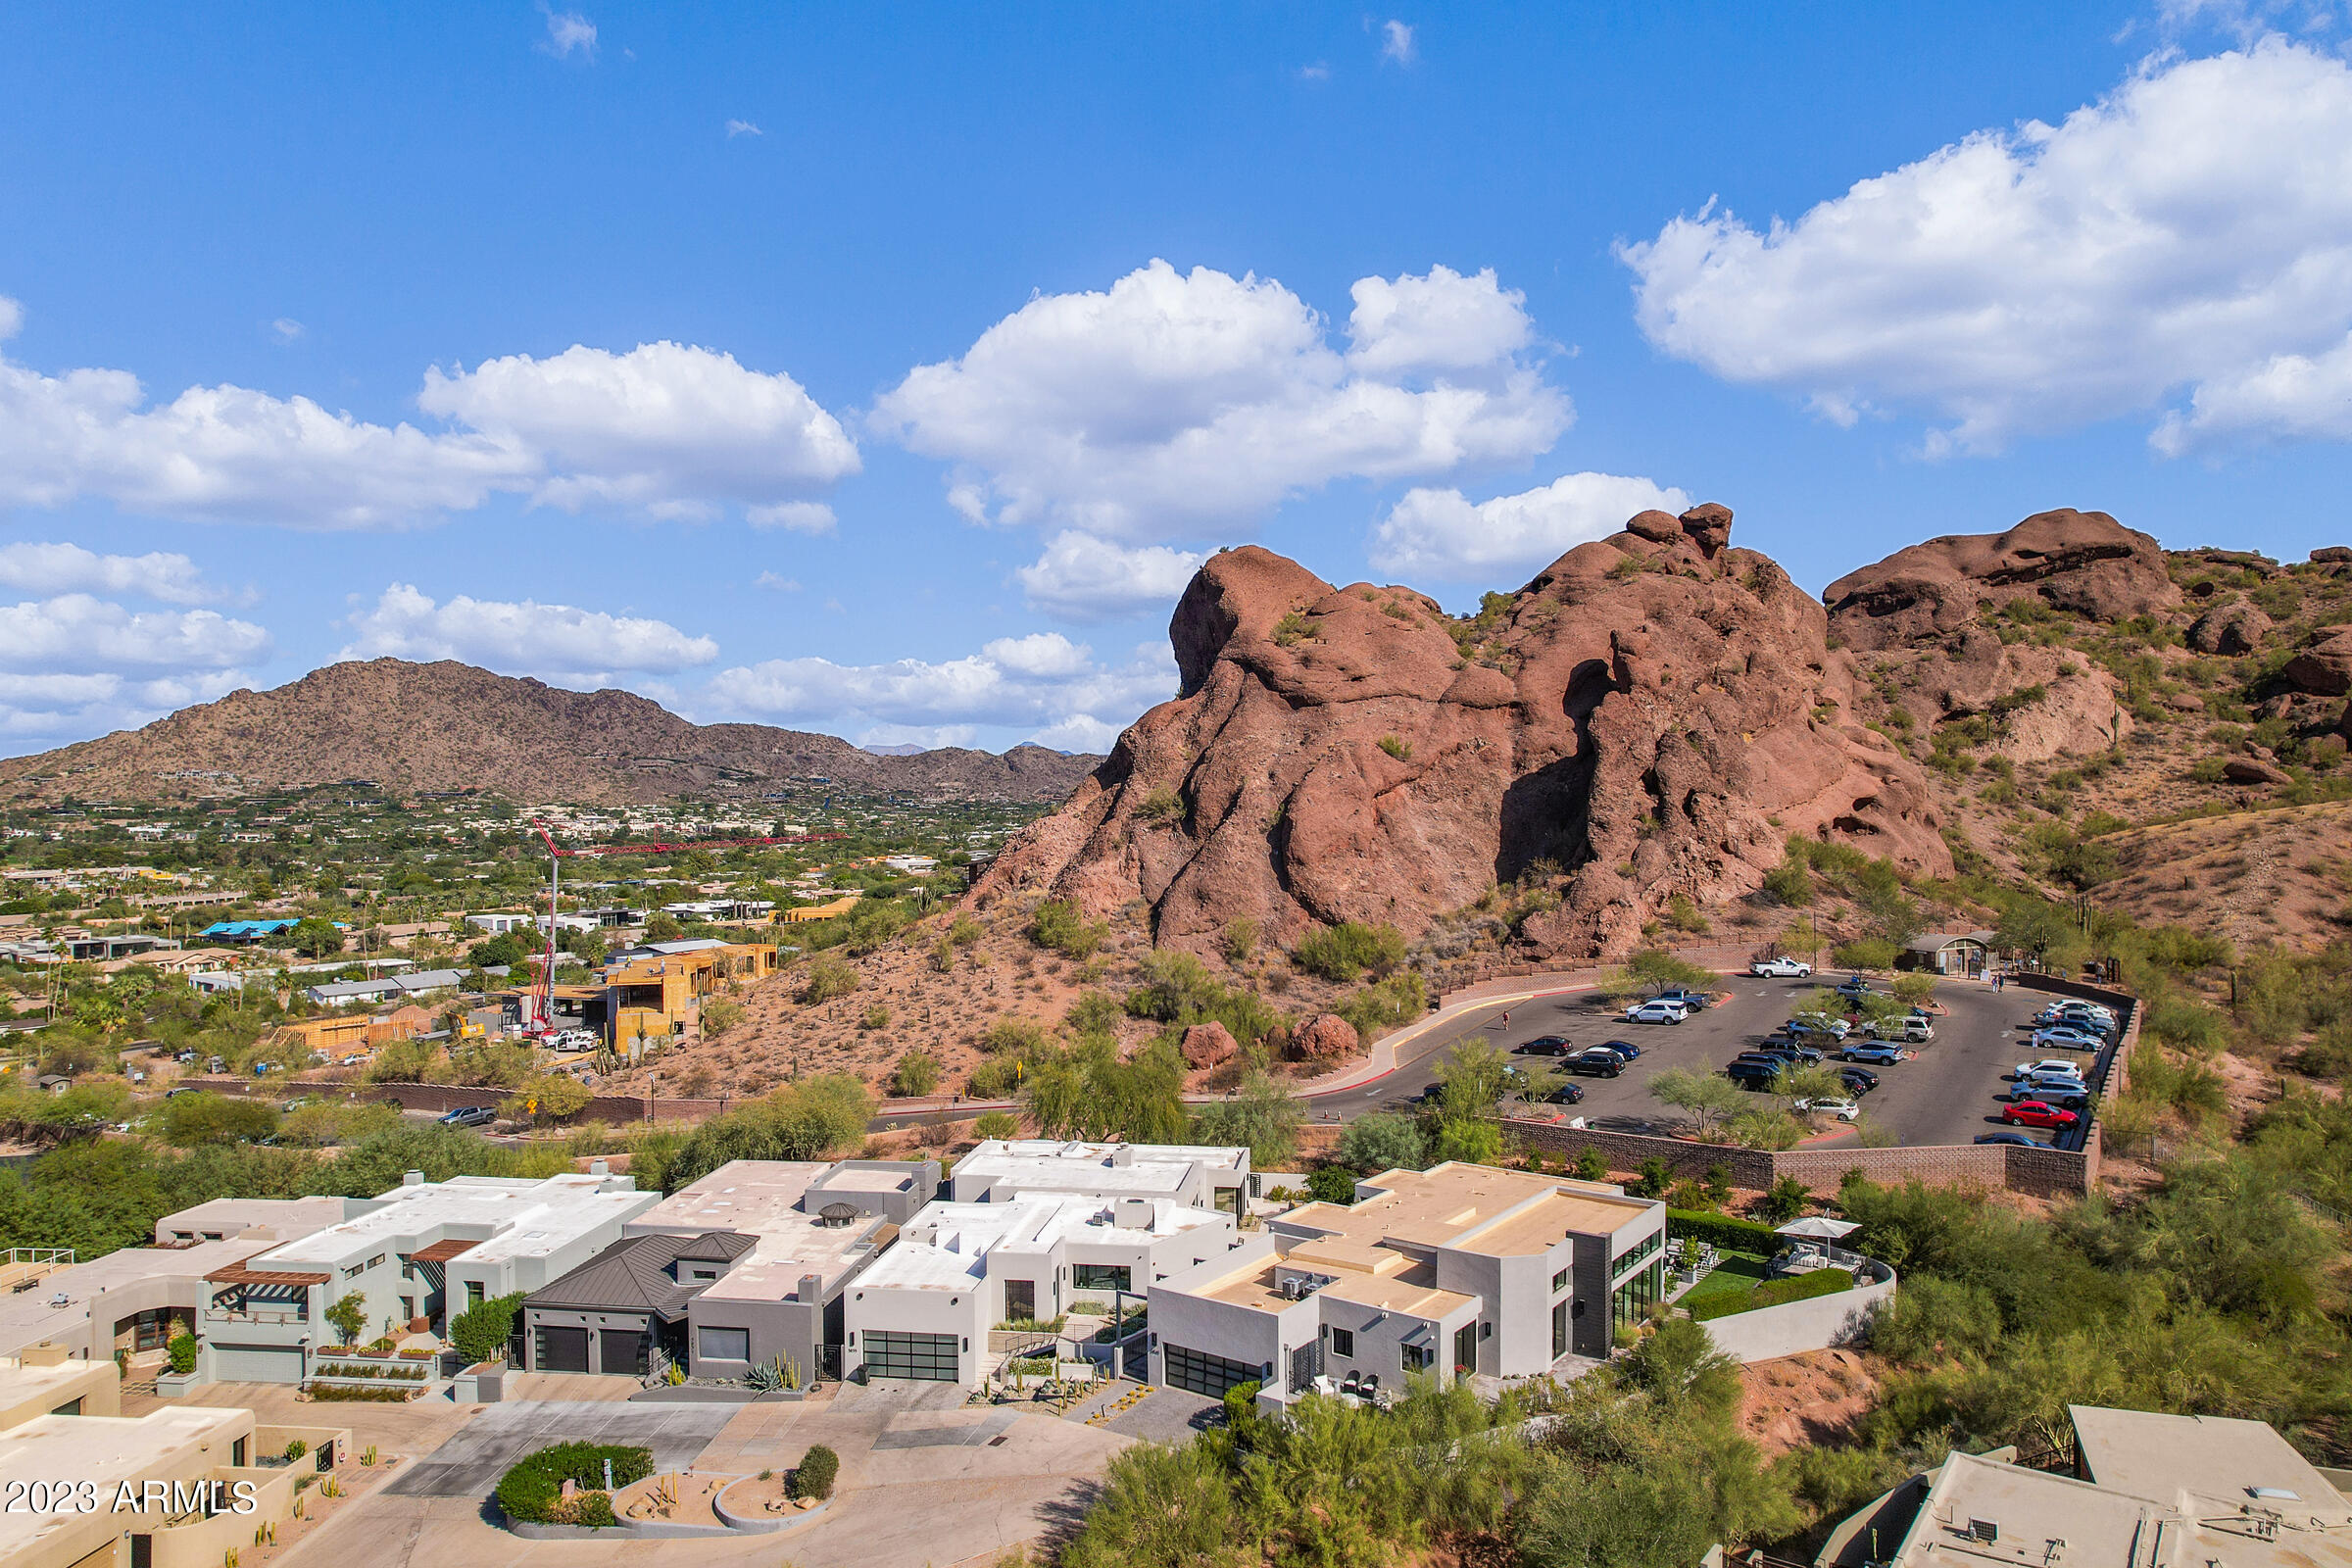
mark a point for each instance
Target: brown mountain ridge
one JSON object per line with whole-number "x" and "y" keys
{"x": 415, "y": 727}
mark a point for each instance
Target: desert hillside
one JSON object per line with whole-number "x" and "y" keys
{"x": 450, "y": 726}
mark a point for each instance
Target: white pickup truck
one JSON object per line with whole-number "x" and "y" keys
{"x": 1781, "y": 967}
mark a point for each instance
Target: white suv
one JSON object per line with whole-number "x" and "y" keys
{"x": 1659, "y": 1010}
{"x": 1783, "y": 967}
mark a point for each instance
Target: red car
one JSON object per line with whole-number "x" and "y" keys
{"x": 2033, "y": 1113}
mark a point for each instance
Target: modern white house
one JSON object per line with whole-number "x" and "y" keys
{"x": 1456, "y": 1269}
{"x": 924, "y": 1309}
{"x": 1199, "y": 1176}
{"x": 423, "y": 1251}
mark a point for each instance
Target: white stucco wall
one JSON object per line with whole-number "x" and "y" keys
{"x": 1799, "y": 1326}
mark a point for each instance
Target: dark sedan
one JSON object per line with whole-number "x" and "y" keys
{"x": 1544, "y": 1045}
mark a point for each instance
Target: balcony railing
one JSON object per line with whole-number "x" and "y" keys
{"x": 254, "y": 1315}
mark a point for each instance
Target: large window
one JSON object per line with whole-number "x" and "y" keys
{"x": 1465, "y": 1347}
{"x": 1021, "y": 1301}
{"x": 1559, "y": 1328}
{"x": 1199, "y": 1372}
{"x": 1631, "y": 1302}
{"x": 923, "y": 1357}
{"x": 1101, "y": 1277}
{"x": 1342, "y": 1342}
{"x": 723, "y": 1345}
{"x": 1417, "y": 1358}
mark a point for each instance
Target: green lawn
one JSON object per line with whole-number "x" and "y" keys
{"x": 1737, "y": 1275}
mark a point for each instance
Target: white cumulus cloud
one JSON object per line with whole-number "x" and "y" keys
{"x": 1444, "y": 534}
{"x": 557, "y": 643}
{"x": 1040, "y": 684}
{"x": 1181, "y": 403}
{"x": 1081, "y": 577}
{"x": 1396, "y": 42}
{"x": 664, "y": 426}
{"x": 78, "y": 633}
{"x": 743, "y": 128}
{"x": 665, "y": 430}
{"x": 54, "y": 568}
{"x": 2191, "y": 233}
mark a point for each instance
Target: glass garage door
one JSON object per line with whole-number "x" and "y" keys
{"x": 1199, "y": 1372}
{"x": 925, "y": 1357}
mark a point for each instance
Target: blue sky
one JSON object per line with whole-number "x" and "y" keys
{"x": 886, "y": 373}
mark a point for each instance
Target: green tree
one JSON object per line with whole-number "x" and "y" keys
{"x": 1262, "y": 1114}
{"x": 661, "y": 926}
{"x": 1707, "y": 1098}
{"x": 997, "y": 1124}
{"x": 1383, "y": 1141}
{"x": 314, "y": 938}
{"x": 205, "y": 1117}
{"x": 1346, "y": 950}
{"x": 1657, "y": 969}
{"x": 1060, "y": 925}
{"x": 348, "y": 1314}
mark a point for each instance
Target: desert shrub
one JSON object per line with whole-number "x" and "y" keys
{"x": 1240, "y": 940}
{"x": 183, "y": 1352}
{"x": 917, "y": 1073}
{"x": 1161, "y": 807}
{"x": 1098, "y": 1012}
{"x": 1015, "y": 1036}
{"x": 1386, "y": 1005}
{"x": 1397, "y": 746}
{"x": 1060, "y": 925}
{"x": 533, "y": 1487}
{"x": 999, "y": 1079}
{"x": 1684, "y": 915}
{"x": 815, "y": 1475}
{"x": 998, "y": 1124}
{"x": 827, "y": 977}
{"x": 1591, "y": 1165}
{"x": 1345, "y": 951}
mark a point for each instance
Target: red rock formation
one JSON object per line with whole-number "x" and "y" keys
{"x": 1326, "y": 1037}
{"x": 2084, "y": 562}
{"x": 1652, "y": 715}
{"x": 2322, "y": 665}
{"x": 1205, "y": 1045}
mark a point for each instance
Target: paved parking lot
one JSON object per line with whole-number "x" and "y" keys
{"x": 471, "y": 1462}
{"x": 1949, "y": 1092}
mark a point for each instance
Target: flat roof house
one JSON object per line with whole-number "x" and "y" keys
{"x": 134, "y": 1298}
{"x": 924, "y": 1309}
{"x": 813, "y": 1228}
{"x": 2150, "y": 1490}
{"x": 1194, "y": 1176}
{"x": 424, "y": 1249}
{"x": 61, "y": 1421}
{"x": 1452, "y": 1269}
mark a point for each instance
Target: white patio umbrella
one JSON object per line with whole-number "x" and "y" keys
{"x": 1818, "y": 1226}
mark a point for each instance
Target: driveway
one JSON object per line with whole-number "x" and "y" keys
{"x": 470, "y": 1463}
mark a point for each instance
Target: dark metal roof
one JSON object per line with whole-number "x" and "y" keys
{"x": 634, "y": 1275}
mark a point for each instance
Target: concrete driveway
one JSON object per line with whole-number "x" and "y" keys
{"x": 471, "y": 1462}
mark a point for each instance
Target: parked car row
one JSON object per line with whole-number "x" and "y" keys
{"x": 2051, "y": 1092}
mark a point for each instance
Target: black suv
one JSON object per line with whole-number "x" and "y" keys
{"x": 1753, "y": 1074}
{"x": 1858, "y": 1080}
{"x": 1544, "y": 1045}
{"x": 1567, "y": 1095}
{"x": 1595, "y": 1063}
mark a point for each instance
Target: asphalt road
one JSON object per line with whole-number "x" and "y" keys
{"x": 1949, "y": 1092}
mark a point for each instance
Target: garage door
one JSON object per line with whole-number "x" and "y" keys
{"x": 1199, "y": 1372}
{"x": 563, "y": 1350}
{"x": 256, "y": 1363}
{"x": 926, "y": 1358}
{"x": 620, "y": 1350}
